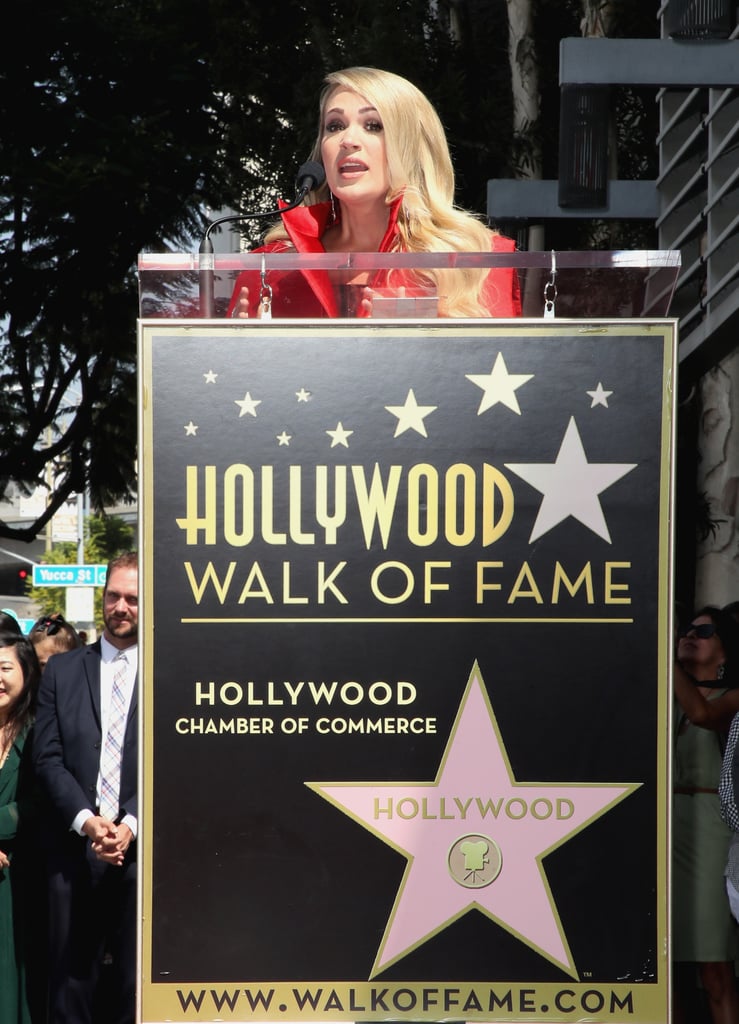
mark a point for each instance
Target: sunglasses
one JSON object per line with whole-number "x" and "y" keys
{"x": 49, "y": 625}
{"x": 703, "y": 630}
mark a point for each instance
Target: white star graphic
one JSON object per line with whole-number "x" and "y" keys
{"x": 248, "y": 405}
{"x": 475, "y": 802}
{"x": 303, "y": 395}
{"x": 210, "y": 377}
{"x": 284, "y": 438}
{"x": 190, "y": 429}
{"x": 499, "y": 386}
{"x": 599, "y": 396}
{"x": 340, "y": 435}
{"x": 571, "y": 486}
{"x": 410, "y": 415}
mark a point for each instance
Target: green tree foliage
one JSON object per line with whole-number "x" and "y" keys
{"x": 123, "y": 122}
{"x": 107, "y": 536}
{"x": 106, "y": 122}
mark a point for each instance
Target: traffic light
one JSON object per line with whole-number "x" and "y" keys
{"x": 14, "y": 580}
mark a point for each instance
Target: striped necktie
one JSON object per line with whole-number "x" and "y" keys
{"x": 110, "y": 762}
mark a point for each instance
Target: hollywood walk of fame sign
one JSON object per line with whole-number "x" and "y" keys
{"x": 406, "y": 611}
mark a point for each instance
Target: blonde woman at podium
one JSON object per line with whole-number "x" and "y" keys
{"x": 389, "y": 188}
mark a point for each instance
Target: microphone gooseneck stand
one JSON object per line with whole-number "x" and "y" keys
{"x": 311, "y": 175}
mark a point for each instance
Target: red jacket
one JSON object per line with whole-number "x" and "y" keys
{"x": 310, "y": 294}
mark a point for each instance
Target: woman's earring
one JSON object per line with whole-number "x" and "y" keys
{"x": 721, "y": 671}
{"x": 333, "y": 208}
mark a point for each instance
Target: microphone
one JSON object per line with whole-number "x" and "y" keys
{"x": 311, "y": 175}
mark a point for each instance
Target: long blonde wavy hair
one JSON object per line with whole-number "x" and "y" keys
{"x": 420, "y": 170}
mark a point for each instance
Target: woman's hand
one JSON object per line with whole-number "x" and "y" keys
{"x": 241, "y": 309}
{"x": 365, "y": 303}
{"x": 4, "y": 860}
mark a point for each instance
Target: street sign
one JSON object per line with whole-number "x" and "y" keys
{"x": 69, "y": 575}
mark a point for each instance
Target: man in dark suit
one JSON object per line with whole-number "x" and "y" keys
{"x": 85, "y": 754}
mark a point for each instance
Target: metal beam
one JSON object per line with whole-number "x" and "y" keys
{"x": 658, "y": 62}
{"x": 523, "y": 199}
{"x": 19, "y": 558}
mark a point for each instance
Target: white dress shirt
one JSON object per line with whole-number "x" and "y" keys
{"x": 108, "y": 654}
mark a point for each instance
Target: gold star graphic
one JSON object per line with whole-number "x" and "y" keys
{"x": 248, "y": 405}
{"x": 599, "y": 396}
{"x": 571, "y": 486}
{"x": 339, "y": 435}
{"x": 499, "y": 386}
{"x": 411, "y": 415}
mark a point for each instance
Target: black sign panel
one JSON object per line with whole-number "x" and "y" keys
{"x": 405, "y": 588}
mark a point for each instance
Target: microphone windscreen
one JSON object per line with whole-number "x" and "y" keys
{"x": 311, "y": 175}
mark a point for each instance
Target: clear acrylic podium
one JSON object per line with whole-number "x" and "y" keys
{"x": 567, "y": 284}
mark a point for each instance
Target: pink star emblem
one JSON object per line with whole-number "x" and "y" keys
{"x": 475, "y": 837}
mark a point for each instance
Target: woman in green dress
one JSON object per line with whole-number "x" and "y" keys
{"x": 19, "y": 676}
{"x": 704, "y": 934}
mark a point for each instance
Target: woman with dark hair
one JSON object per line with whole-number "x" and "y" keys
{"x": 9, "y": 623}
{"x": 704, "y": 932}
{"x": 19, "y": 678}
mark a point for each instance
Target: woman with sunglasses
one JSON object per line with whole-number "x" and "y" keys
{"x": 704, "y": 934}
{"x": 19, "y": 906}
